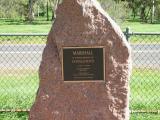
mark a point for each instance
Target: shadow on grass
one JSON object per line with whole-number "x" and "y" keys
{"x": 22, "y": 114}
{"x": 13, "y": 115}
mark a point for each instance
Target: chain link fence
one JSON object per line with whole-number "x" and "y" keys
{"x": 20, "y": 56}
{"x": 145, "y": 80}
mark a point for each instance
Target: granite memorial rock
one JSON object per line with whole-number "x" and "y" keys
{"x": 85, "y": 68}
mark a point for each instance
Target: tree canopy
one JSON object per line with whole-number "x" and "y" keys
{"x": 144, "y": 10}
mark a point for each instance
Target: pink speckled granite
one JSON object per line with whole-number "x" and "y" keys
{"x": 83, "y": 23}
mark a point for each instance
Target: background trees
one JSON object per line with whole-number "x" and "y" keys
{"x": 146, "y": 10}
{"x": 31, "y": 4}
{"x": 116, "y": 9}
{"x": 12, "y": 8}
{"x": 143, "y": 10}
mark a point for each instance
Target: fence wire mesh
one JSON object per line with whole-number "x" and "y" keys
{"x": 145, "y": 80}
{"x": 20, "y": 56}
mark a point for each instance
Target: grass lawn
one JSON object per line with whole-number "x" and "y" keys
{"x": 25, "y": 28}
{"x": 144, "y": 86}
{"x": 18, "y": 90}
{"x": 24, "y": 116}
{"x": 42, "y": 26}
{"x": 136, "y": 39}
{"x": 23, "y": 39}
{"x": 141, "y": 27}
{"x": 145, "y": 39}
{"x": 14, "y": 116}
{"x": 145, "y": 116}
{"x": 19, "y": 26}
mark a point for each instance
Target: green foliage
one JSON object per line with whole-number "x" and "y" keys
{"x": 12, "y": 8}
{"x": 157, "y": 12}
{"x": 117, "y": 10}
{"x": 145, "y": 9}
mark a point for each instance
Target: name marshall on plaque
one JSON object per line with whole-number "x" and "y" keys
{"x": 83, "y": 63}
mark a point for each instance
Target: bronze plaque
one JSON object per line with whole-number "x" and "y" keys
{"x": 83, "y": 64}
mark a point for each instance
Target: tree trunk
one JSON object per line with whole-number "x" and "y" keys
{"x": 153, "y": 11}
{"x": 56, "y": 2}
{"x": 134, "y": 12}
{"x": 47, "y": 11}
{"x": 30, "y": 10}
{"x": 143, "y": 14}
{"x": 53, "y": 16}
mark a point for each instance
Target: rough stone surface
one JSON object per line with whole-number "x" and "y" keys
{"x": 83, "y": 23}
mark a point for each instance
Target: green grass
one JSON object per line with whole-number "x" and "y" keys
{"x": 42, "y": 26}
{"x": 23, "y": 40}
{"x": 25, "y": 28}
{"x": 143, "y": 116}
{"x": 144, "y": 85}
{"x": 141, "y": 27}
{"x": 14, "y": 116}
{"x": 136, "y": 39}
{"x": 20, "y": 26}
{"x": 18, "y": 88}
{"x": 145, "y": 39}
{"x": 24, "y": 116}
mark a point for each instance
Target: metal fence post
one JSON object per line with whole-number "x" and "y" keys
{"x": 127, "y": 33}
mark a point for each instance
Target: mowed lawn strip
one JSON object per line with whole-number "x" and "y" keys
{"x": 140, "y": 27}
{"x": 39, "y": 26}
{"x": 20, "y": 26}
{"x": 42, "y": 26}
